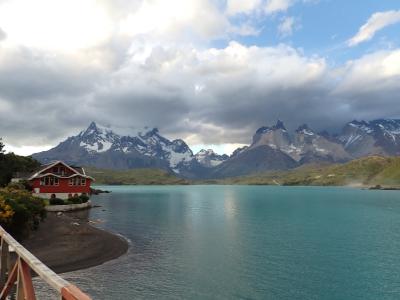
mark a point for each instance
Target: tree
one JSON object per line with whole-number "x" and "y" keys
{"x": 11, "y": 163}
{"x": 1, "y": 147}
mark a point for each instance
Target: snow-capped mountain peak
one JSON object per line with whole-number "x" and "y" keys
{"x": 380, "y": 136}
{"x": 97, "y": 138}
{"x": 144, "y": 148}
{"x": 209, "y": 158}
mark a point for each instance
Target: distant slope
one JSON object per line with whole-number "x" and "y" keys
{"x": 273, "y": 148}
{"x": 368, "y": 171}
{"x": 257, "y": 159}
{"x": 134, "y": 177}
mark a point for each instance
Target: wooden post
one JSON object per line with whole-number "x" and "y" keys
{"x": 4, "y": 264}
{"x": 12, "y": 277}
{"x": 20, "y": 291}
{"x": 26, "y": 278}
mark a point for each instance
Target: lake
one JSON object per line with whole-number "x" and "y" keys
{"x": 248, "y": 242}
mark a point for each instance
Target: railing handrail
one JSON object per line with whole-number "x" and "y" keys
{"x": 44, "y": 272}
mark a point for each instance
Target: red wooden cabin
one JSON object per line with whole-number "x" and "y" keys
{"x": 59, "y": 180}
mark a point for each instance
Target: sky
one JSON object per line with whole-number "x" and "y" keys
{"x": 208, "y": 71}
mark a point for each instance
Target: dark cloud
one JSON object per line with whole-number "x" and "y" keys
{"x": 206, "y": 96}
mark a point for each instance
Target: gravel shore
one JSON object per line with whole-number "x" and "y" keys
{"x": 67, "y": 243}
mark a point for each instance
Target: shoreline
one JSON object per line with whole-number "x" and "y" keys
{"x": 68, "y": 243}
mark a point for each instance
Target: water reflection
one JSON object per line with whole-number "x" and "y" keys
{"x": 205, "y": 242}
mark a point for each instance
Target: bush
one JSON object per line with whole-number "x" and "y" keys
{"x": 16, "y": 186}
{"x": 75, "y": 200}
{"x": 56, "y": 201}
{"x": 84, "y": 198}
{"x": 20, "y": 212}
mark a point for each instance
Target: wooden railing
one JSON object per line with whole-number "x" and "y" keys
{"x": 18, "y": 280}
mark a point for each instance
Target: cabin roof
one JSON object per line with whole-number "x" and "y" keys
{"x": 77, "y": 171}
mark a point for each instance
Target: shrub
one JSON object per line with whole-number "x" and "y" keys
{"x": 56, "y": 201}
{"x": 16, "y": 186}
{"x": 20, "y": 212}
{"x": 84, "y": 198}
{"x": 6, "y": 212}
{"x": 75, "y": 200}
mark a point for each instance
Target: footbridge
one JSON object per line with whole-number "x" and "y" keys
{"x": 18, "y": 266}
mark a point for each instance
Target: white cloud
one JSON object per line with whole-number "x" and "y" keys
{"x": 55, "y": 24}
{"x": 286, "y": 27}
{"x": 376, "y": 22}
{"x": 176, "y": 19}
{"x": 378, "y": 71}
{"x": 245, "y": 29}
{"x": 3, "y": 35}
{"x": 274, "y": 6}
{"x": 239, "y": 6}
{"x": 26, "y": 150}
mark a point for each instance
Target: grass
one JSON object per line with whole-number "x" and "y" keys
{"x": 134, "y": 177}
{"x": 368, "y": 171}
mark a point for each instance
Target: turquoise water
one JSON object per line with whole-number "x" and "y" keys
{"x": 249, "y": 242}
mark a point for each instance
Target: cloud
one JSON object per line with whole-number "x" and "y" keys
{"x": 375, "y": 23}
{"x": 3, "y": 35}
{"x": 372, "y": 74}
{"x": 239, "y": 6}
{"x": 170, "y": 77}
{"x": 55, "y": 24}
{"x": 274, "y": 6}
{"x": 176, "y": 19}
{"x": 286, "y": 27}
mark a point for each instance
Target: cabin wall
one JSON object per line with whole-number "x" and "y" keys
{"x": 63, "y": 187}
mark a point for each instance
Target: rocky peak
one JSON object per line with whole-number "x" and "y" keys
{"x": 238, "y": 151}
{"x": 265, "y": 129}
{"x": 274, "y": 137}
{"x": 279, "y": 125}
{"x": 304, "y": 129}
{"x": 147, "y": 132}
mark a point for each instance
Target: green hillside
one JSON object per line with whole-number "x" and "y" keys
{"x": 134, "y": 177}
{"x": 367, "y": 171}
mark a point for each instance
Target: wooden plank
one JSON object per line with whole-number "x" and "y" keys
{"x": 20, "y": 288}
{"x": 71, "y": 292}
{"x": 25, "y": 275}
{"x": 36, "y": 265}
{"x": 42, "y": 270}
{"x": 3, "y": 262}
{"x": 12, "y": 277}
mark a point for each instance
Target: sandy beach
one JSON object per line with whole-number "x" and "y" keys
{"x": 68, "y": 243}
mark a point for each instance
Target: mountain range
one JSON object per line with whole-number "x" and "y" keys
{"x": 272, "y": 148}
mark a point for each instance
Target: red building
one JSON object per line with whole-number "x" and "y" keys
{"x": 61, "y": 181}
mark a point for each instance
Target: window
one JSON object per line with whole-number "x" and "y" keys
{"x": 76, "y": 181}
{"x": 83, "y": 181}
{"x": 49, "y": 180}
